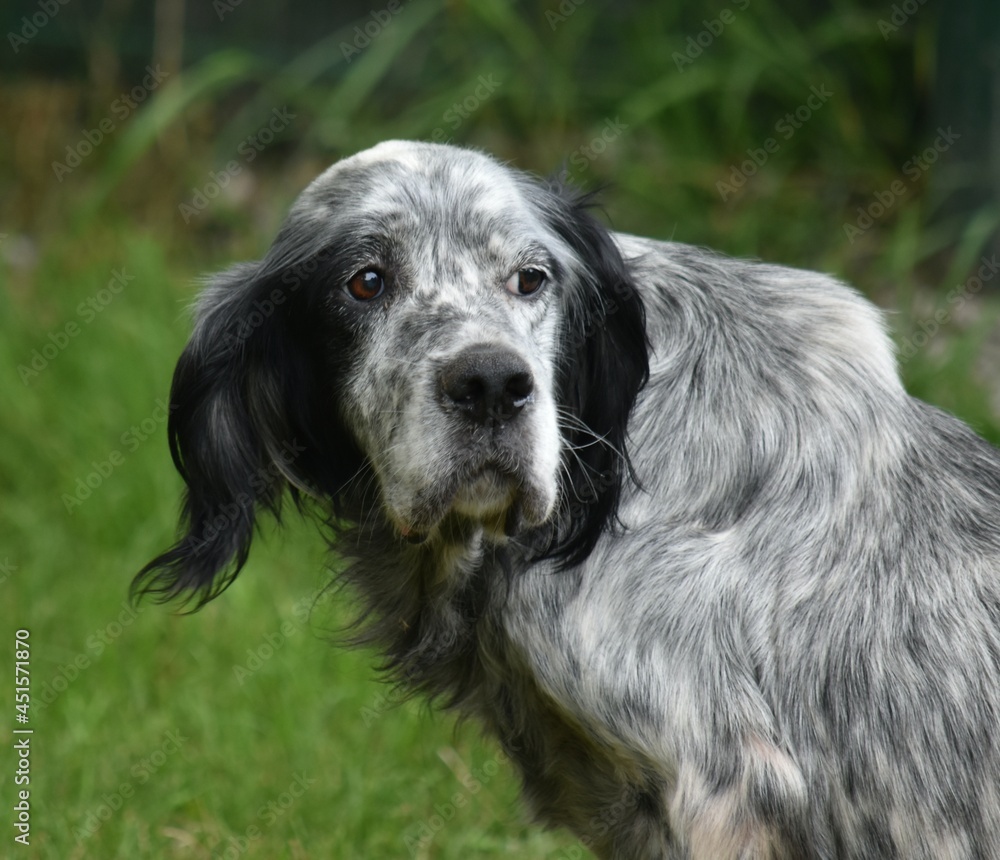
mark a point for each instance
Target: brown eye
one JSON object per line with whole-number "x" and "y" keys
{"x": 525, "y": 282}
{"x": 366, "y": 285}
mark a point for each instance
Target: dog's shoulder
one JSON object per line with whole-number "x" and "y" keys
{"x": 761, "y": 317}
{"x": 779, "y": 387}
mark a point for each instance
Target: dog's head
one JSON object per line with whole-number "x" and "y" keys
{"x": 431, "y": 335}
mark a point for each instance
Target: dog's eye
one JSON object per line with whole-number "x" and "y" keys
{"x": 366, "y": 285}
{"x": 525, "y": 282}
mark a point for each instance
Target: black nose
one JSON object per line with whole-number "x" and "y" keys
{"x": 487, "y": 383}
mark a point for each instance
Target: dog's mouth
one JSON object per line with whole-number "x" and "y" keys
{"x": 496, "y": 495}
{"x": 485, "y": 490}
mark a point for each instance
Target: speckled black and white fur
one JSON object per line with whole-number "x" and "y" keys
{"x": 676, "y": 536}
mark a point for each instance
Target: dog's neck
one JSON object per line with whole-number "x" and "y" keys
{"x": 426, "y": 607}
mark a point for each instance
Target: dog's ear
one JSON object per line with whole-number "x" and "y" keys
{"x": 605, "y": 363}
{"x": 247, "y": 419}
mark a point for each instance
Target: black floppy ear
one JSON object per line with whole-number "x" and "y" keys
{"x": 605, "y": 363}
{"x": 245, "y": 415}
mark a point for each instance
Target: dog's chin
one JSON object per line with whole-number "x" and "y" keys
{"x": 485, "y": 494}
{"x": 502, "y": 503}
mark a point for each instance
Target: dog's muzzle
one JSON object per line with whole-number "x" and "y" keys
{"x": 492, "y": 459}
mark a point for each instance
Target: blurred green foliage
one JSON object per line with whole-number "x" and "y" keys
{"x": 692, "y": 92}
{"x": 664, "y": 104}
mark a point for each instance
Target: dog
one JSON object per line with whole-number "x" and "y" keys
{"x": 665, "y": 523}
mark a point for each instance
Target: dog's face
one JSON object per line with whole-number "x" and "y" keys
{"x": 447, "y": 289}
{"x": 431, "y": 335}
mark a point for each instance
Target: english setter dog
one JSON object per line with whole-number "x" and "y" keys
{"x": 667, "y": 523}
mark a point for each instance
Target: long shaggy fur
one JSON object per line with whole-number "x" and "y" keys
{"x": 668, "y": 525}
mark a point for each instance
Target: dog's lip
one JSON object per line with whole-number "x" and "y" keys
{"x": 491, "y": 468}
{"x": 497, "y": 474}
{"x": 415, "y": 528}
